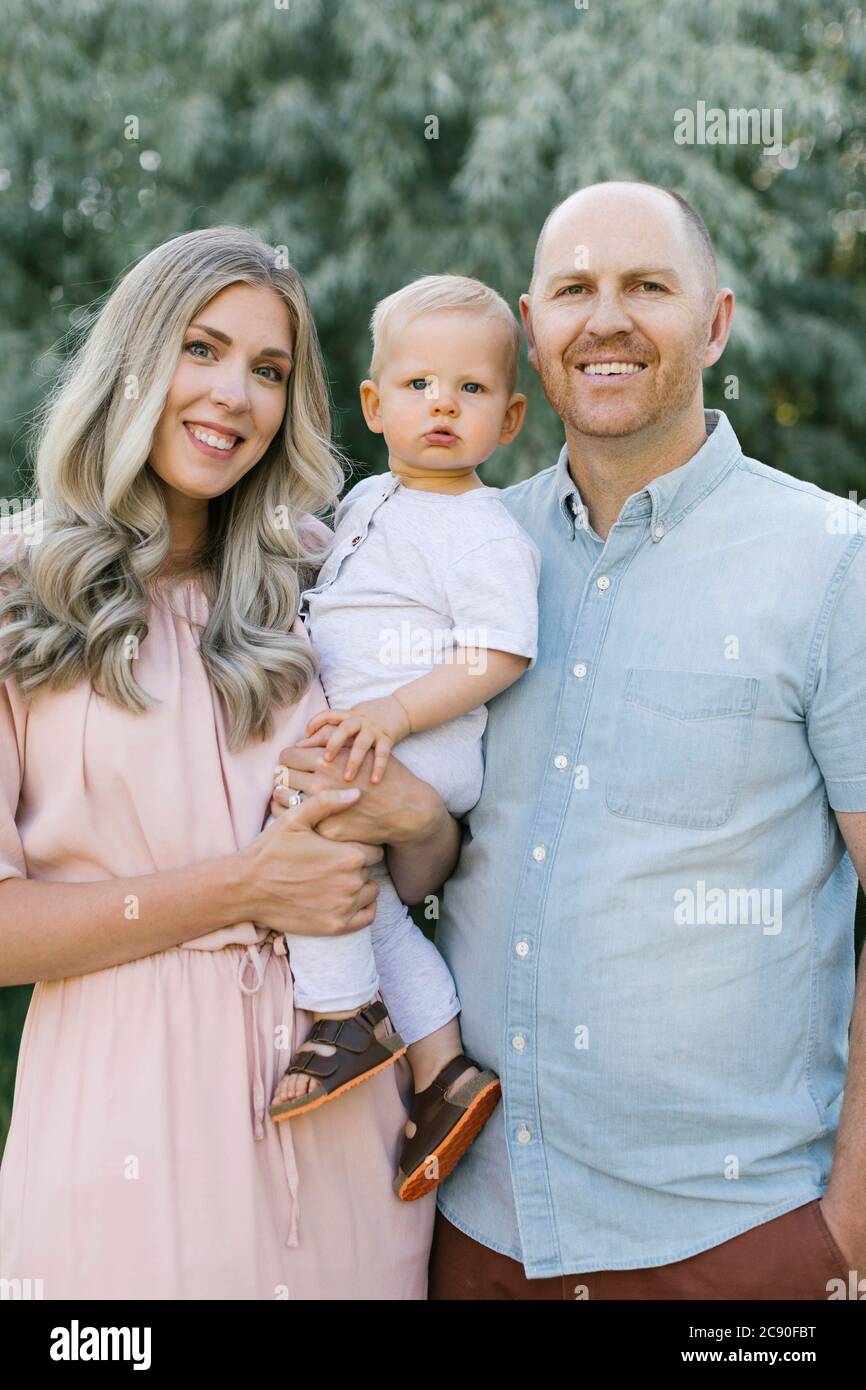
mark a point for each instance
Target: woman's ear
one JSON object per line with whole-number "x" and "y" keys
{"x": 371, "y": 405}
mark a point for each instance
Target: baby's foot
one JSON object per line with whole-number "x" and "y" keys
{"x": 424, "y": 1078}
{"x": 299, "y": 1083}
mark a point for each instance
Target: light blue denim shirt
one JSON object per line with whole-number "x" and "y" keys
{"x": 651, "y": 925}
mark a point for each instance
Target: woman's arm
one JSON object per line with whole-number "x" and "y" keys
{"x": 289, "y": 879}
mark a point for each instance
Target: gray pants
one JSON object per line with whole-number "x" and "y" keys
{"x": 393, "y": 956}
{"x": 337, "y": 973}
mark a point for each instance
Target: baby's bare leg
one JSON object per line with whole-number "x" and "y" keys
{"x": 429, "y": 1055}
{"x": 298, "y": 1084}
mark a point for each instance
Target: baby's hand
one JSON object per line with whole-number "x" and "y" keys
{"x": 377, "y": 724}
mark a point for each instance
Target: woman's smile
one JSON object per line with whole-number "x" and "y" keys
{"x": 222, "y": 449}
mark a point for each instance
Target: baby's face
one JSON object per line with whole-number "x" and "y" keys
{"x": 443, "y": 390}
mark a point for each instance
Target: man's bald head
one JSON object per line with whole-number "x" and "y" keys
{"x": 693, "y": 224}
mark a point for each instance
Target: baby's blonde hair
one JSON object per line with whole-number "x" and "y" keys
{"x": 433, "y": 292}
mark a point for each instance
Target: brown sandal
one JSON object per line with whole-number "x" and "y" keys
{"x": 445, "y": 1127}
{"x": 359, "y": 1055}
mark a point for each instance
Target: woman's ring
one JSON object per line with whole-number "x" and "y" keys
{"x": 295, "y": 799}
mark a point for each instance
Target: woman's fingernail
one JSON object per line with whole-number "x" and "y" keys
{"x": 348, "y": 795}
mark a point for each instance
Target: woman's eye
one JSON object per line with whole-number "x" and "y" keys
{"x": 198, "y": 343}
{"x": 473, "y": 386}
{"x": 278, "y": 376}
{"x": 418, "y": 383}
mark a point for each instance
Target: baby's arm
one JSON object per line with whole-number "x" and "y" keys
{"x": 470, "y": 677}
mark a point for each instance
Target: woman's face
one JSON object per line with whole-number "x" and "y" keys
{"x": 228, "y": 395}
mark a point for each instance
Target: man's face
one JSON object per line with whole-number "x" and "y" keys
{"x": 619, "y": 317}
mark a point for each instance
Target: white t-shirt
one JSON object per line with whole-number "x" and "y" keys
{"x": 411, "y": 575}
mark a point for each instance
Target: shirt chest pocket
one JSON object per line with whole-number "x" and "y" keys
{"x": 681, "y": 746}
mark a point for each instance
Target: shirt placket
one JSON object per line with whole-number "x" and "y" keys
{"x": 361, "y": 518}
{"x": 522, "y": 1064}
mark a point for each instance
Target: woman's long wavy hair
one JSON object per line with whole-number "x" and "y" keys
{"x": 78, "y": 595}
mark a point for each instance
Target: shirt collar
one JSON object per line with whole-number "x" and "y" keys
{"x": 668, "y": 498}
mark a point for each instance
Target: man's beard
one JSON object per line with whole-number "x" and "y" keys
{"x": 675, "y": 390}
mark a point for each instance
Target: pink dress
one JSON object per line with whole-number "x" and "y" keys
{"x": 141, "y": 1161}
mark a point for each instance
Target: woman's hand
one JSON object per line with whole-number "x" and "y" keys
{"x": 304, "y": 883}
{"x": 401, "y": 811}
{"x": 376, "y": 724}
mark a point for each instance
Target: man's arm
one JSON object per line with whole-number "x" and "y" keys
{"x": 844, "y": 1202}
{"x": 401, "y": 812}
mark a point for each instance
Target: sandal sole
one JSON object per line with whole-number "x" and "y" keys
{"x": 303, "y": 1104}
{"x": 452, "y": 1148}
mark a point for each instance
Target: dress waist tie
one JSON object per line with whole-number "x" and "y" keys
{"x": 256, "y": 958}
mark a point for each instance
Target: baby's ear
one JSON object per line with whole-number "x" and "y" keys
{"x": 371, "y": 405}
{"x": 512, "y": 423}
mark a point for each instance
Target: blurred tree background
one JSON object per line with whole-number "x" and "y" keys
{"x": 380, "y": 140}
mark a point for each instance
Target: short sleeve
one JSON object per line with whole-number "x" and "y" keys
{"x": 12, "y": 863}
{"x": 492, "y": 593}
{"x": 836, "y": 716}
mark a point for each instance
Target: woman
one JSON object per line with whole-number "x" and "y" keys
{"x": 152, "y": 666}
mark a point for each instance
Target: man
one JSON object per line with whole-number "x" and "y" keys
{"x": 651, "y": 926}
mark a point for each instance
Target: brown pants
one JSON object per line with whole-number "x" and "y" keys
{"x": 792, "y": 1256}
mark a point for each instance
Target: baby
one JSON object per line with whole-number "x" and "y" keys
{"x": 425, "y": 609}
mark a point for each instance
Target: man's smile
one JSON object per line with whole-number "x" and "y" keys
{"x": 611, "y": 368}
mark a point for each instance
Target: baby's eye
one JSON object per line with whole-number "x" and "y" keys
{"x": 418, "y": 383}
{"x": 473, "y": 386}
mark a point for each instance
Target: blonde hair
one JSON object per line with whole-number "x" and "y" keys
{"x": 433, "y": 292}
{"x": 78, "y": 595}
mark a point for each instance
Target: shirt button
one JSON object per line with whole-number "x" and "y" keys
{"x": 522, "y": 949}
{"x": 523, "y": 1135}
{"x": 355, "y": 540}
{"x": 579, "y": 670}
{"x": 603, "y": 582}
{"x": 659, "y": 532}
{"x": 538, "y": 853}
{"x": 518, "y": 1042}
{"x": 560, "y": 760}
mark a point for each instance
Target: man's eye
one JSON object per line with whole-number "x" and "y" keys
{"x": 573, "y": 290}
{"x": 650, "y": 285}
{"x": 418, "y": 383}
{"x": 473, "y": 386}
